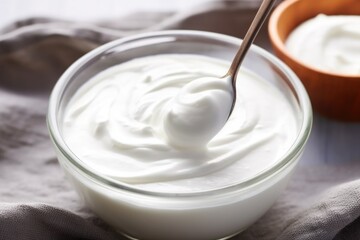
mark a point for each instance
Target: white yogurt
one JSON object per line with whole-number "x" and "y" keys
{"x": 158, "y": 124}
{"x": 330, "y": 43}
{"x": 144, "y": 125}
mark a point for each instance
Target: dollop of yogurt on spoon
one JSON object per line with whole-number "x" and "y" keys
{"x": 198, "y": 112}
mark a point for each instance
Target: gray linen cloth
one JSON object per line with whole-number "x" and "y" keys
{"x": 36, "y": 202}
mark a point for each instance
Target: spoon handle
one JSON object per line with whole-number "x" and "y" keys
{"x": 253, "y": 30}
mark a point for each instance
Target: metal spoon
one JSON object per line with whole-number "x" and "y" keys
{"x": 252, "y": 32}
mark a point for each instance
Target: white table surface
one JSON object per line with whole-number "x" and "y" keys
{"x": 331, "y": 142}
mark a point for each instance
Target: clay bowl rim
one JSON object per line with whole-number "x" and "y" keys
{"x": 280, "y": 44}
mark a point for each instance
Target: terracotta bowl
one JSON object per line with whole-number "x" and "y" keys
{"x": 333, "y": 95}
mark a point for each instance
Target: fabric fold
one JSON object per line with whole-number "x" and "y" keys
{"x": 43, "y": 222}
{"x": 336, "y": 210}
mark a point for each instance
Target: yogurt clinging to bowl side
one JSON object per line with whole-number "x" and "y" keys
{"x": 119, "y": 134}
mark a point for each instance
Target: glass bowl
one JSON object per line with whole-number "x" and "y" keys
{"x": 213, "y": 214}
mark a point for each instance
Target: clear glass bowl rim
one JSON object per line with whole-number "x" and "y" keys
{"x": 287, "y": 160}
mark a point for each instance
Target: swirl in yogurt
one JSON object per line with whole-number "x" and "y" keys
{"x": 161, "y": 122}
